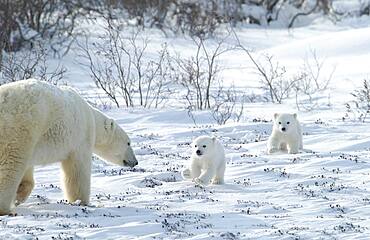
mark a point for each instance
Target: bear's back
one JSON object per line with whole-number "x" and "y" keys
{"x": 37, "y": 103}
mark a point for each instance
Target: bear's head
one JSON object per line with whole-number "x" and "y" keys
{"x": 203, "y": 146}
{"x": 285, "y": 122}
{"x": 114, "y": 145}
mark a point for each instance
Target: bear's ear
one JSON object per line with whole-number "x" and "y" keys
{"x": 295, "y": 115}
{"x": 109, "y": 124}
{"x": 276, "y": 115}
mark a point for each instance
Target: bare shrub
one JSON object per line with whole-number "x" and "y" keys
{"x": 147, "y": 13}
{"x": 314, "y": 71}
{"x": 195, "y": 18}
{"x": 29, "y": 64}
{"x": 228, "y": 105}
{"x": 360, "y": 106}
{"x": 224, "y": 105}
{"x": 274, "y": 80}
{"x": 23, "y": 22}
{"x": 364, "y": 8}
{"x": 203, "y": 18}
{"x": 310, "y": 81}
{"x": 272, "y": 75}
{"x": 199, "y": 73}
{"x": 122, "y": 68}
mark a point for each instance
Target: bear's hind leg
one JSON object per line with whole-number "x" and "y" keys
{"x": 76, "y": 177}
{"x": 25, "y": 187}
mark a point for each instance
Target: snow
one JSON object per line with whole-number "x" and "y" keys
{"x": 322, "y": 194}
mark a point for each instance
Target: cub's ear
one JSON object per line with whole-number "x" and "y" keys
{"x": 109, "y": 124}
{"x": 276, "y": 115}
{"x": 295, "y": 115}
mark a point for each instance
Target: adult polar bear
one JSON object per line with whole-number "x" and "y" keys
{"x": 42, "y": 124}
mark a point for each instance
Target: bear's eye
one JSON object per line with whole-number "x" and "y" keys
{"x": 287, "y": 122}
{"x": 128, "y": 144}
{"x": 204, "y": 146}
{"x": 195, "y": 146}
{"x": 279, "y": 122}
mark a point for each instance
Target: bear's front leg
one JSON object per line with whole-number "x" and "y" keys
{"x": 273, "y": 145}
{"x": 9, "y": 182}
{"x": 293, "y": 148}
{"x": 220, "y": 173}
{"x": 11, "y": 173}
{"x": 186, "y": 173}
{"x": 195, "y": 170}
{"x": 76, "y": 177}
{"x": 25, "y": 187}
{"x": 206, "y": 176}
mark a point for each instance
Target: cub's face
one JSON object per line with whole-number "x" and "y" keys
{"x": 285, "y": 122}
{"x": 118, "y": 149}
{"x": 202, "y": 146}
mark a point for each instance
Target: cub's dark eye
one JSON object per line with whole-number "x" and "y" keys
{"x": 204, "y": 146}
{"x": 128, "y": 144}
{"x": 279, "y": 122}
{"x": 195, "y": 146}
{"x": 287, "y": 122}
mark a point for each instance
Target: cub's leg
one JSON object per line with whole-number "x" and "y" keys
{"x": 76, "y": 176}
{"x": 283, "y": 146}
{"x": 192, "y": 172}
{"x": 220, "y": 173}
{"x": 273, "y": 145}
{"x": 195, "y": 170}
{"x": 293, "y": 147}
{"x": 186, "y": 173}
{"x": 206, "y": 176}
{"x": 25, "y": 187}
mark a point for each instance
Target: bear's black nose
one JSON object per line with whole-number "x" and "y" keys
{"x": 198, "y": 152}
{"x": 283, "y": 129}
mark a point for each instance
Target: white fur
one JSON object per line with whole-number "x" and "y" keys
{"x": 42, "y": 124}
{"x": 210, "y": 165}
{"x": 290, "y": 139}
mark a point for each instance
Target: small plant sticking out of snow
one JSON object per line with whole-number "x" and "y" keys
{"x": 360, "y": 106}
{"x": 150, "y": 182}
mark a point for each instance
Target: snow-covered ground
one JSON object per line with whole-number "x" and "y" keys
{"x": 320, "y": 195}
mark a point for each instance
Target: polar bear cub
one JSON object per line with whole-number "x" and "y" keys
{"x": 207, "y": 161}
{"x": 286, "y": 134}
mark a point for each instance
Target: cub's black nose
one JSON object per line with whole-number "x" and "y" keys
{"x": 198, "y": 152}
{"x": 283, "y": 129}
